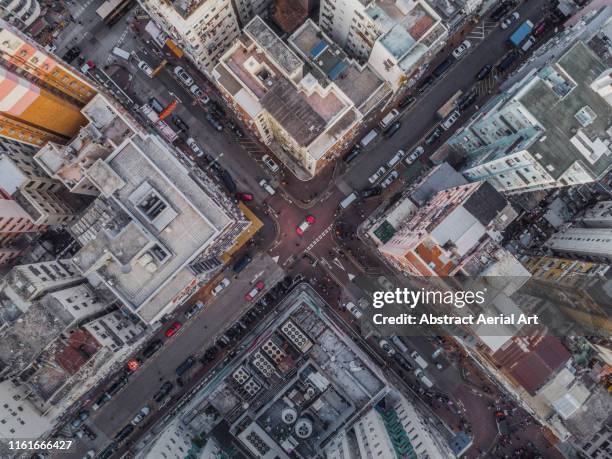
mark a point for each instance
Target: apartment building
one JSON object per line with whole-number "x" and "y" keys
{"x": 20, "y": 13}
{"x": 518, "y": 144}
{"x": 306, "y": 112}
{"x": 41, "y": 97}
{"x": 396, "y": 37}
{"x": 442, "y": 237}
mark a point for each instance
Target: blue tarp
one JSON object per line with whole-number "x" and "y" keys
{"x": 318, "y": 49}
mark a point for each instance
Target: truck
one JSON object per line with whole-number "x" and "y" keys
{"x": 388, "y": 119}
{"x": 520, "y": 33}
{"x": 365, "y": 141}
{"x": 347, "y": 201}
{"x": 449, "y": 105}
{"x": 423, "y": 378}
{"x": 419, "y": 360}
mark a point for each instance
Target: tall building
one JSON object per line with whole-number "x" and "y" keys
{"x": 20, "y": 14}
{"x": 203, "y": 29}
{"x": 40, "y": 99}
{"x": 518, "y": 144}
{"x": 153, "y": 233}
{"x": 396, "y": 37}
{"x": 451, "y": 233}
{"x": 306, "y": 109}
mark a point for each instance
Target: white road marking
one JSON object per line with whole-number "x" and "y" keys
{"x": 319, "y": 237}
{"x": 338, "y": 264}
{"x": 275, "y": 259}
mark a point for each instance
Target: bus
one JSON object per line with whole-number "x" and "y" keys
{"x": 112, "y": 10}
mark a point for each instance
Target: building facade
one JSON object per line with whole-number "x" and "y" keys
{"x": 21, "y": 14}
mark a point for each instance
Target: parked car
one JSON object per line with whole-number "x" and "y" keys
{"x": 406, "y": 101}
{"x": 461, "y": 50}
{"x": 185, "y": 366}
{"x": 270, "y": 163}
{"x": 199, "y": 93}
{"x": 397, "y": 157}
{"x": 266, "y": 186}
{"x": 71, "y": 54}
{"x": 356, "y": 151}
{"x": 156, "y": 105}
{"x": 241, "y": 263}
{"x": 220, "y": 286}
{"x": 434, "y": 136}
{"x": 377, "y": 175}
{"x": 183, "y": 76}
{"x": 507, "y": 61}
{"x": 501, "y": 10}
{"x": 193, "y": 310}
{"x": 393, "y": 129}
{"x": 511, "y": 19}
{"x": 100, "y": 401}
{"x": 124, "y": 433}
{"x": 467, "y": 100}
{"x": 416, "y": 153}
{"x": 354, "y": 310}
{"x": 484, "y": 71}
{"x": 195, "y": 147}
{"x": 80, "y": 419}
{"x": 259, "y": 286}
{"x": 370, "y": 192}
{"x": 403, "y": 362}
{"x": 227, "y": 180}
{"x": 540, "y": 27}
{"x": 163, "y": 391}
{"x": 389, "y": 179}
{"x": 245, "y": 197}
{"x": 171, "y": 331}
{"x": 450, "y": 120}
{"x": 214, "y": 122}
{"x": 179, "y": 123}
{"x": 385, "y": 346}
{"x": 142, "y": 65}
{"x": 152, "y": 348}
{"x": 442, "y": 67}
{"x": 426, "y": 83}
{"x": 305, "y": 225}
{"x": 144, "y": 411}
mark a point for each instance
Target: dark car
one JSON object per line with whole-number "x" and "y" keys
{"x": 467, "y": 100}
{"x": 500, "y": 11}
{"x": 163, "y": 391}
{"x": 156, "y": 105}
{"x": 124, "y": 433}
{"x": 393, "y": 129}
{"x": 90, "y": 433}
{"x": 507, "y": 61}
{"x": 442, "y": 67}
{"x": 370, "y": 192}
{"x": 214, "y": 122}
{"x": 352, "y": 155}
{"x": 402, "y": 361}
{"x": 227, "y": 180}
{"x": 435, "y": 135}
{"x": 179, "y": 123}
{"x": 152, "y": 348}
{"x": 186, "y": 365}
{"x": 72, "y": 54}
{"x": 241, "y": 263}
{"x": 484, "y": 71}
{"x": 427, "y": 82}
{"x": 406, "y": 101}
{"x": 117, "y": 385}
{"x": 107, "y": 452}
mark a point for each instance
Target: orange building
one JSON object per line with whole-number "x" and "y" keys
{"x": 40, "y": 99}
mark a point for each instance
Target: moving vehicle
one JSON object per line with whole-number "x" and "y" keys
{"x": 461, "y": 50}
{"x": 142, "y": 65}
{"x": 266, "y": 186}
{"x": 244, "y": 197}
{"x": 163, "y": 391}
{"x": 434, "y": 136}
{"x": 123, "y": 54}
{"x": 270, "y": 163}
{"x": 442, "y": 67}
{"x": 185, "y": 365}
{"x": 220, "y": 286}
{"x": 171, "y": 331}
{"x": 305, "y": 225}
{"x": 385, "y": 346}
{"x": 183, "y": 76}
{"x": 396, "y": 340}
{"x": 450, "y": 120}
{"x": 416, "y": 153}
{"x": 353, "y": 309}
{"x": 388, "y": 119}
{"x": 193, "y": 310}
{"x": 259, "y": 286}
{"x": 214, "y": 122}
{"x": 419, "y": 360}
{"x": 510, "y": 20}
{"x": 195, "y": 147}
{"x": 406, "y": 101}
{"x": 391, "y": 131}
{"x": 144, "y": 411}
{"x": 352, "y": 155}
{"x": 350, "y": 199}
{"x": 368, "y": 138}
{"x": 389, "y": 179}
{"x": 397, "y": 157}
{"x": 484, "y": 71}
{"x": 152, "y": 348}
{"x": 241, "y": 263}
{"x": 377, "y": 175}
{"x": 521, "y": 33}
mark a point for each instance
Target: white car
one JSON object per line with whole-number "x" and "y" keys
{"x": 377, "y": 175}
{"x": 416, "y": 153}
{"x": 268, "y": 161}
{"x": 142, "y": 65}
{"x": 195, "y": 147}
{"x": 266, "y": 186}
{"x": 460, "y": 50}
{"x": 450, "y": 120}
{"x": 220, "y": 286}
{"x": 510, "y": 20}
{"x": 183, "y": 76}
{"x": 353, "y": 309}
{"x": 390, "y": 179}
{"x": 141, "y": 415}
{"x": 199, "y": 94}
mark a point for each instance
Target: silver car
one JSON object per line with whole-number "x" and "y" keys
{"x": 377, "y": 175}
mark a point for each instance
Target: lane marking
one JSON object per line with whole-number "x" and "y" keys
{"x": 319, "y": 237}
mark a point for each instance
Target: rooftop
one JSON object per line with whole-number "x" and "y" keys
{"x": 156, "y": 221}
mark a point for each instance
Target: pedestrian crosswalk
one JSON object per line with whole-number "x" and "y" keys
{"x": 80, "y": 9}
{"x": 487, "y": 85}
{"x": 481, "y": 30}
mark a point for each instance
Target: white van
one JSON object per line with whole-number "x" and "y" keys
{"x": 389, "y": 118}
{"x": 399, "y": 344}
{"x": 365, "y": 141}
{"x": 264, "y": 184}
{"x": 348, "y": 200}
{"x": 419, "y": 360}
{"x": 396, "y": 158}
{"x": 353, "y": 309}
{"x": 123, "y": 54}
